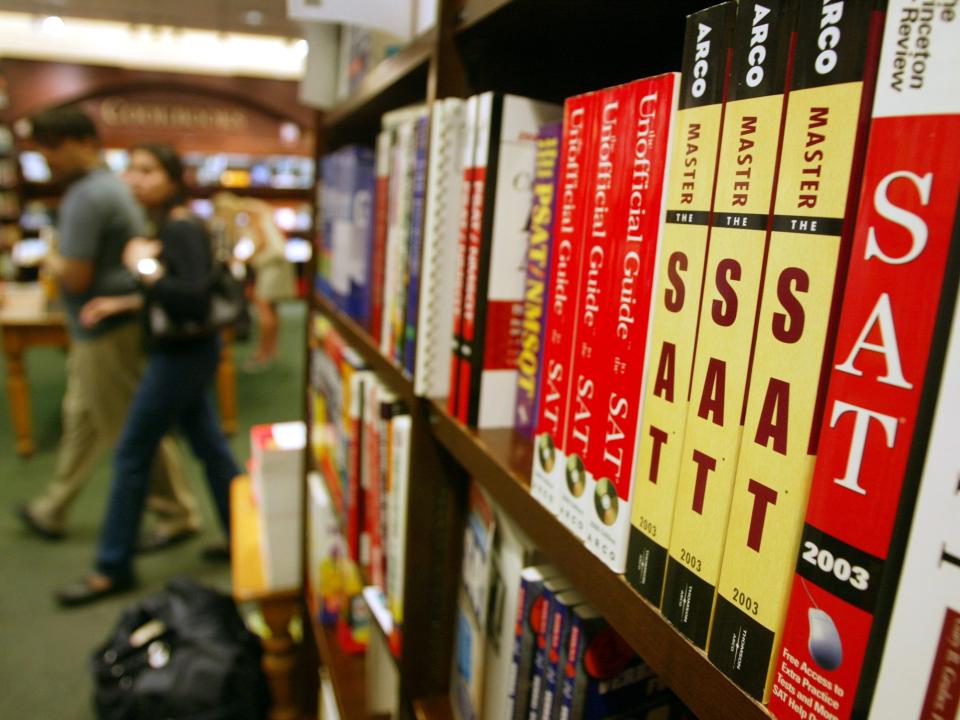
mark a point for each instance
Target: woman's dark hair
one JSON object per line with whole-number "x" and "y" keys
{"x": 51, "y": 127}
{"x": 172, "y": 165}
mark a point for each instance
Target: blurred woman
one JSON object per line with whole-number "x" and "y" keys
{"x": 273, "y": 275}
{"x": 174, "y": 272}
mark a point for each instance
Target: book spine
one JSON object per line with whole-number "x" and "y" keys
{"x": 921, "y": 654}
{"x": 742, "y": 206}
{"x": 636, "y": 221}
{"x": 535, "y": 296}
{"x": 373, "y": 482}
{"x": 489, "y": 112}
{"x": 557, "y": 642}
{"x": 571, "y": 688}
{"x": 619, "y": 685}
{"x": 324, "y": 248}
{"x": 463, "y": 241}
{"x": 610, "y": 168}
{"x": 417, "y": 219}
{"x": 476, "y": 578}
{"x": 407, "y": 145}
{"x": 400, "y": 443}
{"x": 489, "y": 119}
{"x": 893, "y": 324}
{"x": 538, "y": 675}
{"x": 493, "y": 303}
{"x": 363, "y": 204}
{"x": 469, "y": 668}
{"x": 549, "y": 458}
{"x": 395, "y": 239}
{"x": 346, "y": 240}
{"x": 333, "y": 374}
{"x": 357, "y": 536}
{"x": 380, "y": 221}
{"x": 677, "y": 288}
{"x": 381, "y": 468}
{"x": 809, "y": 248}
{"x": 530, "y": 607}
{"x": 444, "y": 178}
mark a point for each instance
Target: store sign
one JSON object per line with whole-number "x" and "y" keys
{"x": 118, "y": 112}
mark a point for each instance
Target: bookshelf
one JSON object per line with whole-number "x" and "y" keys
{"x": 547, "y": 50}
{"x": 500, "y": 459}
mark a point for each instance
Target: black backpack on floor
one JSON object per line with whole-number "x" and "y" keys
{"x": 182, "y": 654}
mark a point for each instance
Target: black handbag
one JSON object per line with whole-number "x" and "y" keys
{"x": 182, "y": 654}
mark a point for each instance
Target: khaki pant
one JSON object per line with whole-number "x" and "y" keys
{"x": 102, "y": 376}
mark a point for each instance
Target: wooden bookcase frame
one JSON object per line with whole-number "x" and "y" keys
{"x": 548, "y": 49}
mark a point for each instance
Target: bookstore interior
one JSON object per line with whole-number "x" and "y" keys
{"x": 625, "y": 337}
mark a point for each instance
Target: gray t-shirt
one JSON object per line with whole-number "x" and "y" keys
{"x": 98, "y": 215}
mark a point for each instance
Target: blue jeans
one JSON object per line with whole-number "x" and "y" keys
{"x": 174, "y": 392}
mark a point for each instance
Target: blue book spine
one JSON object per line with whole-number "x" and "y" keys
{"x": 540, "y": 656}
{"x": 416, "y": 244}
{"x": 328, "y": 174}
{"x": 363, "y": 202}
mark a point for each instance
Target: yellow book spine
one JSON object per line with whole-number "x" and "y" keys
{"x": 728, "y": 312}
{"x": 776, "y": 456}
{"x": 672, "y": 338}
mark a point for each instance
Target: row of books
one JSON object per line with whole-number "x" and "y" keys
{"x": 750, "y": 299}
{"x": 728, "y": 320}
{"x": 425, "y": 242}
{"x": 527, "y": 644}
{"x": 360, "y": 438}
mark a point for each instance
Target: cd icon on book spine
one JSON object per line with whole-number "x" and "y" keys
{"x": 576, "y": 475}
{"x": 546, "y": 452}
{"x": 606, "y": 502}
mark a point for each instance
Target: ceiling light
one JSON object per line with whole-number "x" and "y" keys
{"x": 52, "y": 25}
{"x": 301, "y": 47}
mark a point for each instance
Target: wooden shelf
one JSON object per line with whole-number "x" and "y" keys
{"x": 261, "y": 193}
{"x": 435, "y": 708}
{"x": 347, "y": 672}
{"x": 361, "y": 341}
{"x": 500, "y": 460}
{"x": 398, "y": 80}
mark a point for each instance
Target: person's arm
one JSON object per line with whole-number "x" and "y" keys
{"x": 106, "y": 305}
{"x": 73, "y": 274}
{"x": 81, "y": 222}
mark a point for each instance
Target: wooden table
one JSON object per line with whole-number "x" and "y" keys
{"x": 278, "y": 605}
{"x": 26, "y": 321}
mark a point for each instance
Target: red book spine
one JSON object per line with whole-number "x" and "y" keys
{"x": 356, "y": 529}
{"x": 636, "y": 221}
{"x": 471, "y": 279}
{"x": 610, "y": 166}
{"x": 380, "y": 221}
{"x": 466, "y": 195}
{"x": 560, "y": 310}
{"x": 374, "y": 482}
{"x": 887, "y": 353}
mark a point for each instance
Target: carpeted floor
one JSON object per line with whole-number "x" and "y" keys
{"x": 44, "y": 662}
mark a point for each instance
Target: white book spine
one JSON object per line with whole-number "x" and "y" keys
{"x": 398, "y": 510}
{"x": 438, "y": 277}
{"x": 519, "y": 126}
{"x": 921, "y": 655}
